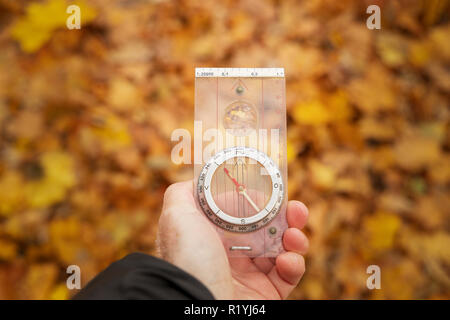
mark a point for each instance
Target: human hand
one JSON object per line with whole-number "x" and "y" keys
{"x": 188, "y": 240}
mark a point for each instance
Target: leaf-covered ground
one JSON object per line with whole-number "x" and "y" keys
{"x": 86, "y": 117}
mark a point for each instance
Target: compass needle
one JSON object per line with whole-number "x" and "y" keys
{"x": 231, "y": 177}
{"x": 240, "y": 188}
{"x": 244, "y": 193}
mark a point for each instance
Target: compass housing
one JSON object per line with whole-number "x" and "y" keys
{"x": 228, "y": 221}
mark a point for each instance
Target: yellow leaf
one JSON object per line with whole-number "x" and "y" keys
{"x": 440, "y": 42}
{"x": 291, "y": 152}
{"x": 312, "y": 113}
{"x": 29, "y": 37}
{"x": 322, "y": 176}
{"x": 59, "y": 168}
{"x": 65, "y": 238}
{"x": 34, "y": 29}
{"x": 380, "y": 230}
{"x": 59, "y": 177}
{"x": 392, "y": 48}
{"x": 333, "y": 108}
{"x": 340, "y": 109}
{"x": 60, "y": 292}
{"x": 118, "y": 227}
{"x": 48, "y": 15}
{"x": 88, "y": 13}
{"x": 11, "y": 192}
{"x": 402, "y": 280}
{"x": 111, "y": 133}
{"x": 123, "y": 95}
{"x": 8, "y": 250}
{"x": 43, "y": 193}
{"x": 39, "y": 280}
{"x": 419, "y": 53}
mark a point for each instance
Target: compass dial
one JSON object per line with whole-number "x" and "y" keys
{"x": 240, "y": 189}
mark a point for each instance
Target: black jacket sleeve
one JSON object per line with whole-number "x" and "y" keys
{"x": 141, "y": 276}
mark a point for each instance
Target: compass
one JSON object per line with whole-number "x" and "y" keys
{"x": 240, "y": 189}
{"x": 240, "y": 160}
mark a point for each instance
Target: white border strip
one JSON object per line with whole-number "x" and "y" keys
{"x": 239, "y": 72}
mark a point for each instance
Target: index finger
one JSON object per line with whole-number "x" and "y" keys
{"x": 296, "y": 214}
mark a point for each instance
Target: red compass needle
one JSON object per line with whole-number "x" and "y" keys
{"x": 233, "y": 179}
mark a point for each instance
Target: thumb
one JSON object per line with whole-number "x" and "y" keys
{"x": 179, "y": 194}
{"x": 179, "y": 216}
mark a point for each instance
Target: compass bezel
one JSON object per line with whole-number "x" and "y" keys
{"x": 225, "y": 220}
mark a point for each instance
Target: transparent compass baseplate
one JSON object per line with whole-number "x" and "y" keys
{"x": 241, "y": 186}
